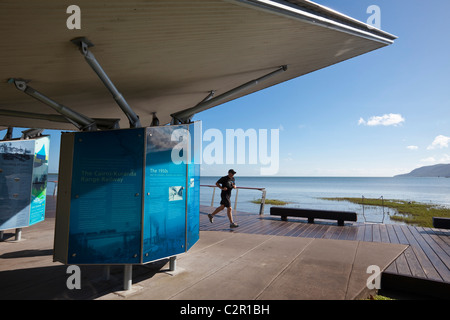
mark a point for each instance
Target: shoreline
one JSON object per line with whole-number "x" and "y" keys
{"x": 410, "y": 212}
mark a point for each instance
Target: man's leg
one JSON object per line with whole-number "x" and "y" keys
{"x": 230, "y": 214}
{"x": 218, "y": 209}
{"x": 211, "y": 215}
{"x": 230, "y": 217}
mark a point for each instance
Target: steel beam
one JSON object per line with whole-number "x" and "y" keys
{"x": 102, "y": 124}
{"x": 82, "y": 122}
{"x": 84, "y": 45}
{"x": 184, "y": 116}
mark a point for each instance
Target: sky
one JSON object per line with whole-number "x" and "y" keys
{"x": 377, "y": 115}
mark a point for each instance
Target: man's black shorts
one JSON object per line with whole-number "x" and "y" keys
{"x": 225, "y": 201}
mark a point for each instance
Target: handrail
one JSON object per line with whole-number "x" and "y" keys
{"x": 263, "y": 196}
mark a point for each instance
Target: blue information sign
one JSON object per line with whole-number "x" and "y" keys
{"x": 133, "y": 193}
{"x": 23, "y": 182}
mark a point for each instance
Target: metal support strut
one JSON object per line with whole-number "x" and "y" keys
{"x": 82, "y": 122}
{"x": 185, "y": 115}
{"x": 84, "y": 45}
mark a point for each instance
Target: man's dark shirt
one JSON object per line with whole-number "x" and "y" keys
{"x": 226, "y": 182}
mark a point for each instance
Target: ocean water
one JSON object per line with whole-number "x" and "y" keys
{"x": 305, "y": 192}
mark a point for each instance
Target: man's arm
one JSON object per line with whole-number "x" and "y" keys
{"x": 219, "y": 186}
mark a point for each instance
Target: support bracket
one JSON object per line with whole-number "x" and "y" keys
{"x": 84, "y": 45}
{"x": 31, "y": 133}
{"x": 8, "y": 135}
{"x": 175, "y": 120}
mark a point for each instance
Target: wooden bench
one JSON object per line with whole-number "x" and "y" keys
{"x": 441, "y": 223}
{"x": 312, "y": 214}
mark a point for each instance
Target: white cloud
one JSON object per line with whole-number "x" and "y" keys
{"x": 439, "y": 142}
{"x": 412, "y": 147}
{"x": 391, "y": 119}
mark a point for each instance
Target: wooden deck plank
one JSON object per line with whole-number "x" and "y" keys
{"x": 294, "y": 230}
{"x": 442, "y": 254}
{"x": 434, "y": 259}
{"x": 376, "y": 236}
{"x": 438, "y": 238}
{"x": 384, "y": 234}
{"x": 330, "y": 233}
{"x": 368, "y": 233}
{"x": 360, "y": 232}
{"x": 337, "y": 233}
{"x": 344, "y": 235}
{"x": 401, "y": 262}
{"x": 428, "y": 268}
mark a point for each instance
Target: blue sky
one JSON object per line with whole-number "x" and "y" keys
{"x": 319, "y": 114}
{"x": 331, "y": 121}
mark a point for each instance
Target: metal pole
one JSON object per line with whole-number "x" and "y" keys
{"x": 127, "y": 276}
{"x": 80, "y": 121}
{"x": 9, "y": 134}
{"x": 84, "y": 45}
{"x": 236, "y": 199}
{"x": 185, "y": 115}
{"x": 263, "y": 202}
{"x": 106, "y": 272}
{"x": 212, "y": 199}
{"x": 18, "y": 234}
{"x": 172, "y": 263}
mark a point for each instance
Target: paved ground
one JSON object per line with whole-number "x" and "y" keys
{"x": 222, "y": 265}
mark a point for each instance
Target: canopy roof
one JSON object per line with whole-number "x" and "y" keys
{"x": 164, "y": 56}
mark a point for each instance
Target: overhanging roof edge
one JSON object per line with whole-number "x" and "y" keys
{"x": 339, "y": 24}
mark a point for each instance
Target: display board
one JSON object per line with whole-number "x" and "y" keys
{"x": 23, "y": 182}
{"x": 122, "y": 199}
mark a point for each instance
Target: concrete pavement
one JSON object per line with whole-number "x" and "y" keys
{"x": 221, "y": 265}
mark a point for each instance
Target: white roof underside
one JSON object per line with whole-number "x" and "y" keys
{"x": 165, "y": 56}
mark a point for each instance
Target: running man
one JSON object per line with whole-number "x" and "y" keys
{"x": 226, "y": 184}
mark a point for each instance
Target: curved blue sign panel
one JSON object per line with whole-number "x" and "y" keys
{"x": 23, "y": 182}
{"x": 127, "y": 196}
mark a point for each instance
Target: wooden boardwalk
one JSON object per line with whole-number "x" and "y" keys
{"x": 427, "y": 257}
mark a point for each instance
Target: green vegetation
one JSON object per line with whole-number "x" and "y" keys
{"x": 379, "y": 297}
{"x": 271, "y": 201}
{"x": 410, "y": 212}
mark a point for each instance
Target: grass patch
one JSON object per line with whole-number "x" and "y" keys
{"x": 410, "y": 212}
{"x": 271, "y": 201}
{"x": 379, "y": 297}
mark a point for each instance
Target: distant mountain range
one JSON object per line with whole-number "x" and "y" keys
{"x": 438, "y": 170}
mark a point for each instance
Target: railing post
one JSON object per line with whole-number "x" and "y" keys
{"x": 236, "y": 199}
{"x": 212, "y": 199}
{"x": 263, "y": 202}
